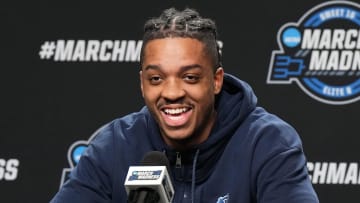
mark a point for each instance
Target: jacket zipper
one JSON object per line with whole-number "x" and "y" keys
{"x": 178, "y": 160}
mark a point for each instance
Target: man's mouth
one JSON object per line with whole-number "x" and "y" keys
{"x": 176, "y": 116}
{"x": 176, "y": 111}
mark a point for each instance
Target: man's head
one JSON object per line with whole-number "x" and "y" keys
{"x": 180, "y": 75}
{"x": 186, "y": 23}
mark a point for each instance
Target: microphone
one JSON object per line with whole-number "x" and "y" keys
{"x": 150, "y": 182}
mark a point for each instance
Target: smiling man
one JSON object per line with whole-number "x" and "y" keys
{"x": 221, "y": 146}
{"x": 178, "y": 84}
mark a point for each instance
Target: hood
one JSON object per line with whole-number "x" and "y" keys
{"x": 234, "y": 102}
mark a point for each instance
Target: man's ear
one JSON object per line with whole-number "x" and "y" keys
{"x": 141, "y": 83}
{"x": 218, "y": 80}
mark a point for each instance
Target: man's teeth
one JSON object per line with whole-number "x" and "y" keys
{"x": 175, "y": 111}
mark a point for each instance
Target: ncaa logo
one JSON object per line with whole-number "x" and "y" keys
{"x": 74, "y": 154}
{"x": 321, "y": 53}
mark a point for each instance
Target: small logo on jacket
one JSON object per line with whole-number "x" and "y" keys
{"x": 223, "y": 199}
{"x": 321, "y": 53}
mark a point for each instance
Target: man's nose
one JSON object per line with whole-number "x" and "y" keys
{"x": 173, "y": 90}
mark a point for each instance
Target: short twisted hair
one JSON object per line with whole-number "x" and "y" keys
{"x": 186, "y": 23}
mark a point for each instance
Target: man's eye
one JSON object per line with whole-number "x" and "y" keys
{"x": 155, "y": 79}
{"x": 191, "y": 78}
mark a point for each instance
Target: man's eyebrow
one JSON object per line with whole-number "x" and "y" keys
{"x": 148, "y": 67}
{"x": 182, "y": 68}
{"x": 189, "y": 67}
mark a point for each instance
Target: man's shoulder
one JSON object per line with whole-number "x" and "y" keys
{"x": 272, "y": 128}
{"x": 132, "y": 119}
{"x": 124, "y": 126}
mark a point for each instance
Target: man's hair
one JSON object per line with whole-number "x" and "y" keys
{"x": 188, "y": 24}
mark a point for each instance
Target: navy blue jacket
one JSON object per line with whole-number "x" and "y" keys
{"x": 251, "y": 156}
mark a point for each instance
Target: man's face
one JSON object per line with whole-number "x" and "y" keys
{"x": 179, "y": 86}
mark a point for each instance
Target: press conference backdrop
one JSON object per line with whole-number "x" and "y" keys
{"x": 67, "y": 69}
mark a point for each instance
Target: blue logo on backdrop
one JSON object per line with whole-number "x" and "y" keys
{"x": 74, "y": 154}
{"x": 321, "y": 53}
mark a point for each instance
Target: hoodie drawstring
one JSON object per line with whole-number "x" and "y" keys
{"x": 194, "y": 176}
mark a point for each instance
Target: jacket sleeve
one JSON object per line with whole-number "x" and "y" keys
{"x": 90, "y": 179}
{"x": 281, "y": 171}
